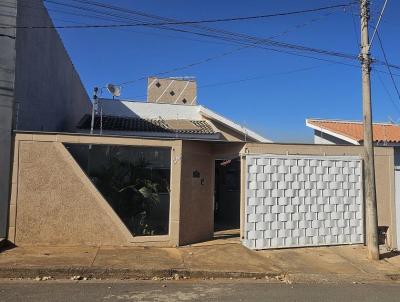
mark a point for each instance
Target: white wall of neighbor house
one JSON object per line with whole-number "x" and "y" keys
{"x": 326, "y": 139}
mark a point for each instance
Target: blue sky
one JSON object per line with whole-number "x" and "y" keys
{"x": 282, "y": 90}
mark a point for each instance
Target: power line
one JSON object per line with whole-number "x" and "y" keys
{"x": 228, "y": 36}
{"x": 181, "y": 22}
{"x": 232, "y": 37}
{"x": 120, "y": 29}
{"x": 206, "y": 60}
{"x": 355, "y": 28}
{"x": 377, "y": 24}
{"x": 387, "y": 64}
{"x": 395, "y": 104}
{"x": 259, "y": 77}
{"x": 7, "y": 36}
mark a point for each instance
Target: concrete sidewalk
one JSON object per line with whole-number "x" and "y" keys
{"x": 214, "y": 259}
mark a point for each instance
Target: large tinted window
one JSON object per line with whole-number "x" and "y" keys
{"x": 135, "y": 181}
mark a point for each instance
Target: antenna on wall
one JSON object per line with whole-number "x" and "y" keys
{"x": 115, "y": 90}
{"x": 94, "y": 107}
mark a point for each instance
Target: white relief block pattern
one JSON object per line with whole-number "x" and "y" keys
{"x": 294, "y": 201}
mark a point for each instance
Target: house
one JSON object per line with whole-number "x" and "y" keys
{"x": 166, "y": 114}
{"x": 351, "y": 132}
{"x": 341, "y": 132}
{"x": 168, "y": 173}
{"x": 165, "y": 172}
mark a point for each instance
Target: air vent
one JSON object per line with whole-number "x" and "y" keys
{"x": 172, "y": 93}
{"x": 158, "y": 84}
{"x": 184, "y": 101}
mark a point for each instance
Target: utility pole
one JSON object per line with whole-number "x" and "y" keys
{"x": 369, "y": 168}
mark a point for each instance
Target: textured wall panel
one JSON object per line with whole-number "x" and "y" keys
{"x": 302, "y": 201}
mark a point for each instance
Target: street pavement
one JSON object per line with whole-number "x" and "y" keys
{"x": 231, "y": 290}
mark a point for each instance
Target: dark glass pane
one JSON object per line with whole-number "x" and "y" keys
{"x": 135, "y": 181}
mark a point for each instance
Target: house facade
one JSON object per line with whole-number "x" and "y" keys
{"x": 80, "y": 189}
{"x": 164, "y": 172}
{"x": 341, "y": 132}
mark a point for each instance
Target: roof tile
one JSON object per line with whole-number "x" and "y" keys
{"x": 389, "y": 133}
{"x": 117, "y": 123}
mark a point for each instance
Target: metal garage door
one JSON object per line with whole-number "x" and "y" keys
{"x": 293, "y": 201}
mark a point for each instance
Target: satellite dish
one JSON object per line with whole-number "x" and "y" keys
{"x": 114, "y": 89}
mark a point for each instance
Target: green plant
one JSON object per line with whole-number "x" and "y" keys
{"x": 132, "y": 188}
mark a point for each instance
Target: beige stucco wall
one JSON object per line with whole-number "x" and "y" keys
{"x": 182, "y": 90}
{"x": 54, "y": 203}
{"x": 196, "y": 209}
{"x": 384, "y": 172}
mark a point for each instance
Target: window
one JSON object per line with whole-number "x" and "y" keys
{"x": 135, "y": 181}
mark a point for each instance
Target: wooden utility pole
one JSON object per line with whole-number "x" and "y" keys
{"x": 369, "y": 168}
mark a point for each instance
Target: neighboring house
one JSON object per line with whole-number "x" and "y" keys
{"x": 351, "y": 132}
{"x": 40, "y": 89}
{"x": 342, "y": 132}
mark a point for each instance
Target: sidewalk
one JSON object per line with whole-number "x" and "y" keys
{"x": 222, "y": 258}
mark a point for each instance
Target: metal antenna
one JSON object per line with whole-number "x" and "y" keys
{"x": 94, "y": 104}
{"x": 101, "y": 117}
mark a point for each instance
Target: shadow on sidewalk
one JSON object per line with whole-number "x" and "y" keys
{"x": 6, "y": 245}
{"x": 389, "y": 255}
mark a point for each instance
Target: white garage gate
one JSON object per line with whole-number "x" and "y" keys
{"x": 293, "y": 201}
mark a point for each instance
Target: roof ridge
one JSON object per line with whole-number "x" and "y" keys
{"x": 145, "y": 102}
{"x": 349, "y": 121}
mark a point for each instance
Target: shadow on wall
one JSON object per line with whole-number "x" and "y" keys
{"x": 116, "y": 108}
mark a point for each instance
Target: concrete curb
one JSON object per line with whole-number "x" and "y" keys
{"x": 178, "y": 274}
{"x": 111, "y": 273}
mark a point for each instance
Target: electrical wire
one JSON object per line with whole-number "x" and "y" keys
{"x": 206, "y": 60}
{"x": 234, "y": 37}
{"x": 8, "y": 36}
{"x": 190, "y": 22}
{"x": 387, "y": 64}
{"x": 259, "y": 77}
{"x": 355, "y": 28}
{"x": 112, "y": 19}
{"x": 214, "y": 32}
{"x": 377, "y": 25}
{"x": 224, "y": 35}
{"x": 394, "y": 103}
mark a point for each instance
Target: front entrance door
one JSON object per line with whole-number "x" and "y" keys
{"x": 227, "y": 195}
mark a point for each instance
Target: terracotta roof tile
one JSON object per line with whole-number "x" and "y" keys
{"x": 354, "y": 130}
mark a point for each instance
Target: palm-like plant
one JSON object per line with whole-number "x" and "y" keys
{"x": 131, "y": 191}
